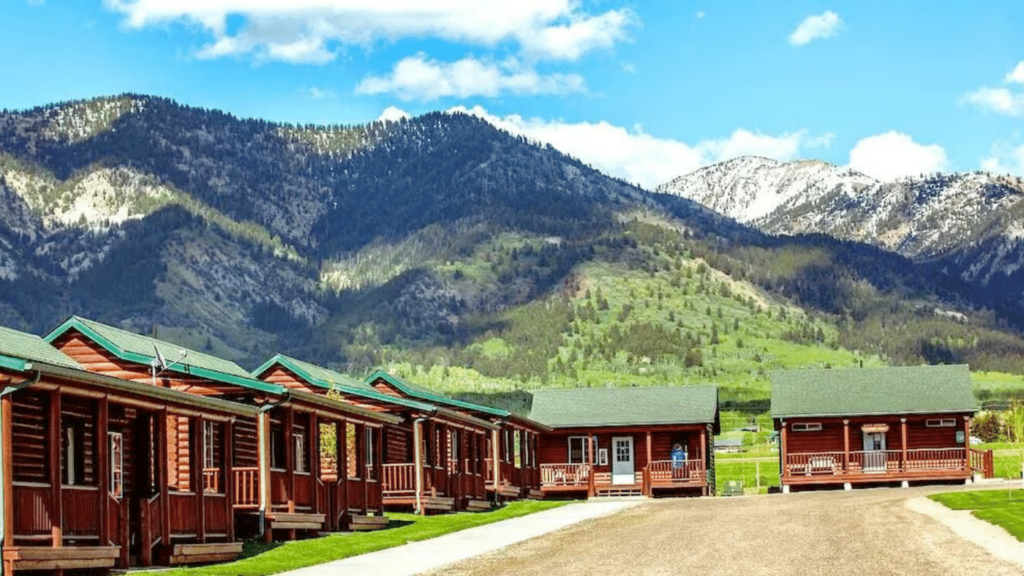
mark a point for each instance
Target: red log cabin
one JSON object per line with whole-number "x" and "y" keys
{"x": 513, "y": 445}
{"x": 277, "y": 481}
{"x": 441, "y": 471}
{"x": 627, "y": 441}
{"x": 89, "y": 481}
{"x": 875, "y": 425}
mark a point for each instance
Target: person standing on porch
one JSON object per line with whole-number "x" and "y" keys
{"x": 678, "y": 456}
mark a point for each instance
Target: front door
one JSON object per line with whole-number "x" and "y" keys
{"x": 623, "y": 471}
{"x": 874, "y": 451}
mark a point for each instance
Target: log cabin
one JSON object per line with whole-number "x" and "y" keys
{"x": 627, "y": 441}
{"x": 513, "y": 445}
{"x": 433, "y": 462}
{"x": 88, "y": 479}
{"x": 873, "y": 425}
{"x": 279, "y": 485}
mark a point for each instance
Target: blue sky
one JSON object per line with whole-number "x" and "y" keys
{"x": 644, "y": 90}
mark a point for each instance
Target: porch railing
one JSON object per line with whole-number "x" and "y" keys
{"x": 669, "y": 472}
{"x": 247, "y": 487}
{"x": 835, "y": 463}
{"x": 982, "y": 463}
{"x": 399, "y": 479}
{"x": 211, "y": 480}
{"x": 556, "y": 475}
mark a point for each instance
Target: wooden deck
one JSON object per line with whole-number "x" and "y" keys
{"x": 663, "y": 475}
{"x": 860, "y": 467}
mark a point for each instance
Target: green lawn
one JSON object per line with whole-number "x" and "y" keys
{"x": 746, "y": 470}
{"x": 1005, "y": 457}
{"x": 1004, "y": 508}
{"x": 259, "y": 558}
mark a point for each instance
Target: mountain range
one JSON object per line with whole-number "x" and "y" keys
{"x": 448, "y": 250}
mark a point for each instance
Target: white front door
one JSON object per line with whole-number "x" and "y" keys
{"x": 623, "y": 471}
{"x": 874, "y": 451}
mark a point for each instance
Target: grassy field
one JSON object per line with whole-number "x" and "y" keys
{"x": 1004, "y": 508}
{"x": 259, "y": 559}
{"x": 1007, "y": 459}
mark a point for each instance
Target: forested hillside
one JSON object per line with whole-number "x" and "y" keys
{"x": 441, "y": 248}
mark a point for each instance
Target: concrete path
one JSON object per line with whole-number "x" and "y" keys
{"x": 431, "y": 554}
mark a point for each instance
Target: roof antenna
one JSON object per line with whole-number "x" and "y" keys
{"x": 162, "y": 363}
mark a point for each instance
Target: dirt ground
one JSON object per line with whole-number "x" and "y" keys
{"x": 867, "y": 531}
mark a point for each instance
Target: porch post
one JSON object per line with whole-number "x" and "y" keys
{"x": 266, "y": 493}
{"x": 289, "y": 456}
{"x": 341, "y": 440}
{"x": 313, "y": 459}
{"x": 590, "y": 462}
{"x": 198, "y": 461}
{"x": 417, "y": 460}
{"x": 647, "y": 469}
{"x": 164, "y": 478}
{"x": 361, "y": 465}
{"x": 103, "y": 462}
{"x": 967, "y": 443}
{"x": 496, "y": 465}
{"x": 704, "y": 458}
{"x": 6, "y": 413}
{"x": 784, "y": 456}
{"x": 378, "y": 464}
{"x": 846, "y": 444}
{"x": 228, "y": 453}
{"x": 56, "y": 503}
{"x": 903, "y": 443}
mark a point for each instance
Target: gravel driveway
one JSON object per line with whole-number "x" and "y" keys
{"x": 827, "y": 533}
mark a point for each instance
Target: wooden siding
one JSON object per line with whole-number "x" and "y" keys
{"x": 398, "y": 448}
{"x": 29, "y": 437}
{"x": 830, "y": 437}
{"x": 246, "y": 447}
{"x": 284, "y": 377}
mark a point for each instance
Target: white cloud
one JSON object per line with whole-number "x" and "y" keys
{"x": 392, "y": 114}
{"x": 311, "y": 31}
{"x": 893, "y": 155}
{"x": 813, "y": 28}
{"x": 640, "y": 158}
{"x": 422, "y": 78}
{"x": 700, "y": 15}
{"x": 1000, "y": 100}
{"x": 1005, "y": 159}
{"x": 319, "y": 93}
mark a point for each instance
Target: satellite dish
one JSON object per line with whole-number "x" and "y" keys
{"x": 161, "y": 361}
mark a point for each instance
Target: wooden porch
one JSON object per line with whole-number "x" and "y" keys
{"x": 885, "y": 465}
{"x": 659, "y": 475}
{"x": 444, "y": 488}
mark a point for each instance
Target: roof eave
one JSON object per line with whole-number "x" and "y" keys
{"x": 883, "y": 413}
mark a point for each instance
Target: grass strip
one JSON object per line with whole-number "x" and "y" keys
{"x": 1004, "y": 508}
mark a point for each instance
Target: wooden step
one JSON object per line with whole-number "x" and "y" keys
{"x": 535, "y": 494}
{"x": 204, "y": 553}
{"x": 478, "y": 505}
{"x": 66, "y": 558}
{"x": 296, "y": 521}
{"x": 366, "y": 523}
{"x": 510, "y": 491}
{"x": 438, "y": 503}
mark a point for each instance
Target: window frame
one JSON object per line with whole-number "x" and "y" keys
{"x": 584, "y": 446}
{"x": 116, "y": 484}
{"x": 806, "y": 427}
{"x": 940, "y": 423}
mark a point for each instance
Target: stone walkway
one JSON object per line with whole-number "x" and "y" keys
{"x": 418, "y": 557}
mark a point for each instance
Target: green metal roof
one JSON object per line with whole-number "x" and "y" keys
{"x": 140, "y": 349}
{"x": 579, "y": 407}
{"x": 19, "y": 345}
{"x": 331, "y": 380}
{"x": 417, "y": 391}
{"x": 868, "y": 391}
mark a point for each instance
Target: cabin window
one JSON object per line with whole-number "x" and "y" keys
{"x": 277, "y": 451}
{"x": 578, "y": 450}
{"x": 351, "y": 447}
{"x": 300, "y": 452}
{"x": 369, "y": 447}
{"x": 940, "y": 423}
{"x": 116, "y": 464}
{"x": 72, "y": 462}
{"x": 508, "y": 446}
{"x": 208, "y": 455}
{"x": 517, "y": 445}
{"x": 806, "y": 426}
{"x": 453, "y": 449}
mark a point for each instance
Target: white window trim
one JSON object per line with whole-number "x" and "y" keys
{"x": 369, "y": 446}
{"x": 208, "y": 434}
{"x": 116, "y": 487}
{"x": 806, "y": 427}
{"x": 940, "y": 423}
{"x": 585, "y": 454}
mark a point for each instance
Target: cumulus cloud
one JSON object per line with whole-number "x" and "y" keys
{"x": 319, "y": 93}
{"x": 392, "y": 114}
{"x": 638, "y": 157}
{"x": 422, "y": 78}
{"x": 1005, "y": 159}
{"x": 893, "y": 155}
{"x": 312, "y": 31}
{"x": 1000, "y": 100}
{"x": 816, "y": 27}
